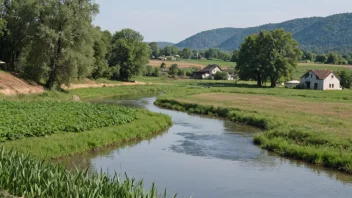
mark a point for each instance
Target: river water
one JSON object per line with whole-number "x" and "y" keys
{"x": 209, "y": 158}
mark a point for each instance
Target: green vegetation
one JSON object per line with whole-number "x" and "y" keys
{"x": 64, "y": 144}
{"x": 32, "y": 119}
{"x": 53, "y": 42}
{"x": 221, "y": 76}
{"x": 67, "y": 129}
{"x": 317, "y": 34}
{"x": 313, "y": 126}
{"x": 23, "y": 176}
{"x": 268, "y": 56}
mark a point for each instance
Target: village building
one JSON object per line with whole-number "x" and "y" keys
{"x": 321, "y": 80}
{"x": 209, "y": 72}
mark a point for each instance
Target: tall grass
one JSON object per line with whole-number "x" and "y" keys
{"x": 20, "y": 175}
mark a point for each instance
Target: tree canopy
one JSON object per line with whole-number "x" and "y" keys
{"x": 268, "y": 56}
{"x": 129, "y": 52}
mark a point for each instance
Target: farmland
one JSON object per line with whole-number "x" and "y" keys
{"x": 32, "y": 119}
{"x": 302, "y": 67}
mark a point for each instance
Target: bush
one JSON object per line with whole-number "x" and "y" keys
{"x": 221, "y": 76}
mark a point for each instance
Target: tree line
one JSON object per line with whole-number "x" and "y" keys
{"x": 53, "y": 41}
{"x": 187, "y": 53}
{"x": 329, "y": 58}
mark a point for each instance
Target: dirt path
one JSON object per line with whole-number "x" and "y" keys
{"x": 11, "y": 85}
{"x": 95, "y": 84}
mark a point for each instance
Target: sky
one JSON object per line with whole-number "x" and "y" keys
{"x": 176, "y": 20}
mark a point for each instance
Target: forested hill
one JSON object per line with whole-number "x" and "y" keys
{"x": 318, "y": 34}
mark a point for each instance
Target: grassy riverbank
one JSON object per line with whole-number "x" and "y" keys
{"x": 313, "y": 126}
{"x": 47, "y": 125}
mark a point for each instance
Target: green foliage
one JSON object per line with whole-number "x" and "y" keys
{"x": 186, "y": 53}
{"x": 23, "y": 176}
{"x": 221, "y": 76}
{"x": 321, "y": 58}
{"x": 163, "y": 66}
{"x": 32, "y": 119}
{"x": 155, "y": 49}
{"x": 346, "y": 78}
{"x": 63, "y": 42}
{"x": 173, "y": 70}
{"x": 129, "y": 52}
{"x": 235, "y": 56}
{"x": 101, "y": 49}
{"x": 268, "y": 55}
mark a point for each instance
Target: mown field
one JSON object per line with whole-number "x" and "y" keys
{"x": 314, "y": 126}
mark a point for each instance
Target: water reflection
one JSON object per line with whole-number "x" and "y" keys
{"x": 208, "y": 157}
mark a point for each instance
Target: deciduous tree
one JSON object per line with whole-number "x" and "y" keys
{"x": 129, "y": 52}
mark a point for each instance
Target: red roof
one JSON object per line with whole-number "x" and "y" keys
{"x": 321, "y": 74}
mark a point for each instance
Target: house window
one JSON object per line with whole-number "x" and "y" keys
{"x": 311, "y": 75}
{"x": 329, "y": 85}
{"x": 332, "y": 76}
{"x": 333, "y": 85}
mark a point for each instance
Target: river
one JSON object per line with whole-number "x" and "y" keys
{"x": 210, "y": 158}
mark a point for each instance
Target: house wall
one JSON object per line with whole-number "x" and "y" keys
{"x": 312, "y": 78}
{"x": 333, "y": 80}
{"x": 322, "y": 84}
{"x": 216, "y": 69}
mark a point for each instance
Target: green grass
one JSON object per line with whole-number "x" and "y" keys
{"x": 64, "y": 144}
{"x": 21, "y": 175}
{"x": 313, "y": 126}
{"x": 303, "y": 68}
{"x": 88, "y": 93}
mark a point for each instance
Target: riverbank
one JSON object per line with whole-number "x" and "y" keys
{"x": 70, "y": 128}
{"x": 314, "y": 128}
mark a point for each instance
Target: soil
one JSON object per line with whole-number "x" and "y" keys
{"x": 12, "y": 85}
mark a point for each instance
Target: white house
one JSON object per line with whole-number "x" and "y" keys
{"x": 206, "y": 72}
{"x": 321, "y": 80}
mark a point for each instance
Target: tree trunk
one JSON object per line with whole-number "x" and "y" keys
{"x": 273, "y": 82}
{"x": 52, "y": 76}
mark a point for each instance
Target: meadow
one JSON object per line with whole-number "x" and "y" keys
{"x": 313, "y": 126}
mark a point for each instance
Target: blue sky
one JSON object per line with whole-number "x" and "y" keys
{"x": 175, "y": 20}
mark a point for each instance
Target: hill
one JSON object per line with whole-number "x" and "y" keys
{"x": 162, "y": 44}
{"x": 318, "y": 34}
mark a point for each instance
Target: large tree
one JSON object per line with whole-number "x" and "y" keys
{"x": 20, "y": 17}
{"x": 268, "y": 55}
{"x": 101, "y": 50}
{"x": 186, "y": 53}
{"x": 155, "y": 49}
{"x": 62, "y": 47}
{"x": 129, "y": 52}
